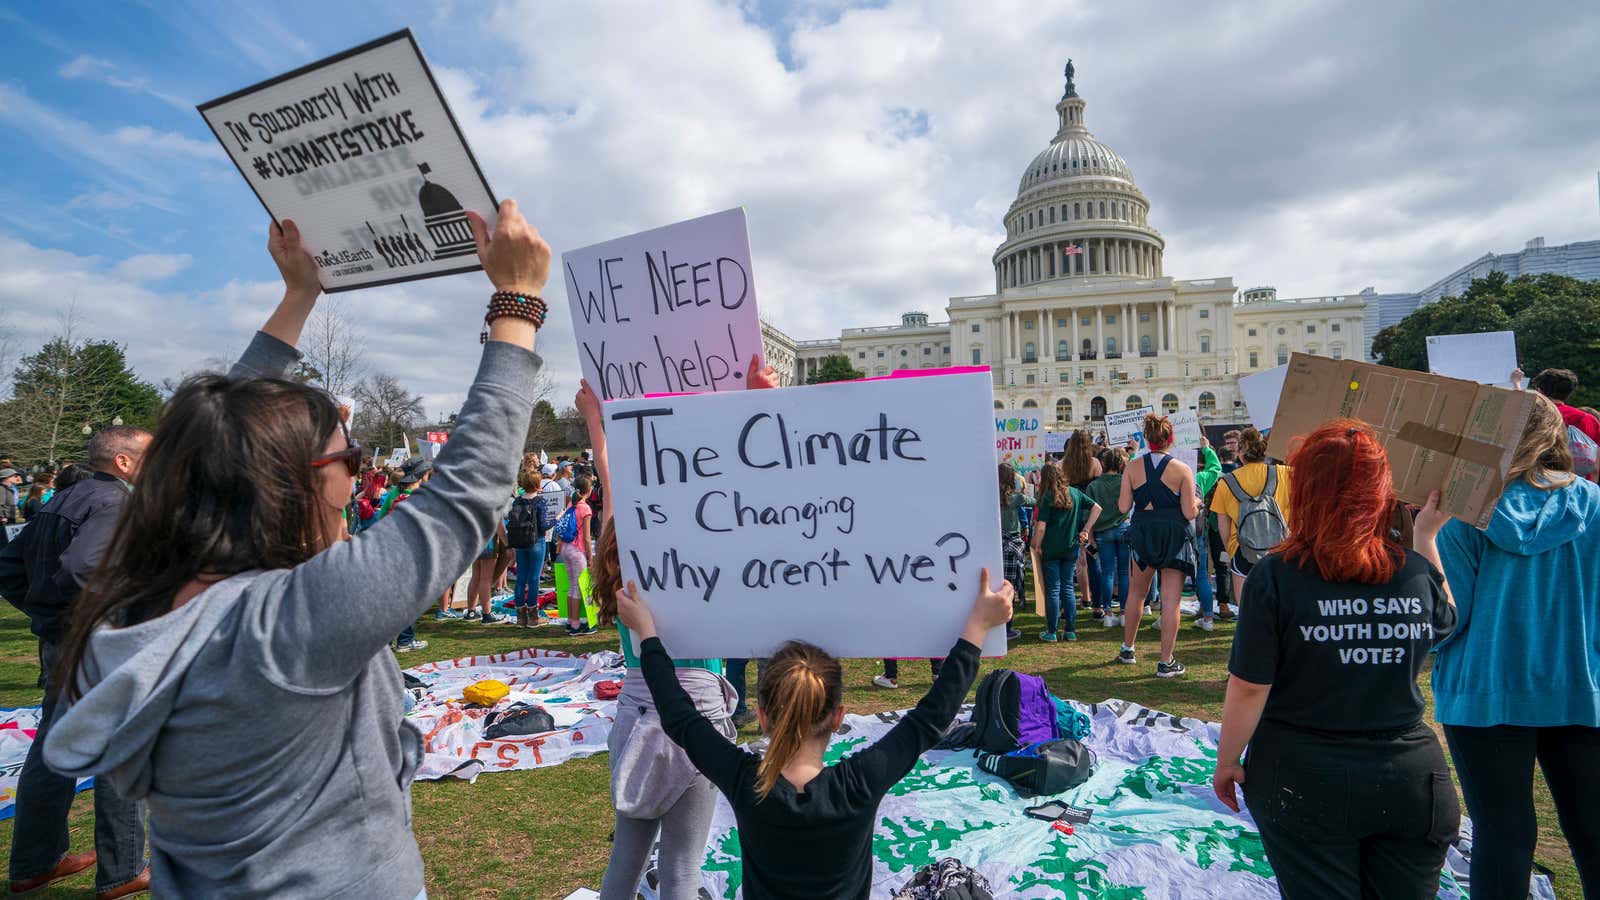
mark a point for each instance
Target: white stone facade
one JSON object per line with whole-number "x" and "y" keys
{"x": 1084, "y": 321}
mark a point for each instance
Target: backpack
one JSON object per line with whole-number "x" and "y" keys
{"x": 517, "y": 720}
{"x": 1260, "y": 524}
{"x": 567, "y": 526}
{"x": 1584, "y": 452}
{"x": 947, "y": 879}
{"x": 525, "y": 524}
{"x": 1012, "y": 710}
{"x": 1042, "y": 768}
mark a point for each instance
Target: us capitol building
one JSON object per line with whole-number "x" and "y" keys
{"x": 1083, "y": 318}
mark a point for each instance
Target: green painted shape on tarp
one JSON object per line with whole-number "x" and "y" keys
{"x": 837, "y": 750}
{"x": 1071, "y": 879}
{"x": 727, "y": 857}
{"x": 914, "y": 843}
{"x": 926, "y": 777}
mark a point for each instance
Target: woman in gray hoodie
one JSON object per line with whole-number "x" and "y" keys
{"x": 229, "y": 664}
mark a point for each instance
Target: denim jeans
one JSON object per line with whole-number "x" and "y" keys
{"x": 734, "y": 672}
{"x": 407, "y": 636}
{"x": 39, "y": 836}
{"x": 1202, "y": 580}
{"x": 1112, "y": 566}
{"x": 1059, "y": 575}
{"x": 530, "y": 562}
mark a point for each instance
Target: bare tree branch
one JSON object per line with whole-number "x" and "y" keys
{"x": 332, "y": 346}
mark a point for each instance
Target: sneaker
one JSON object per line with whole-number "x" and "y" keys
{"x": 1109, "y": 621}
{"x": 1125, "y": 656}
{"x": 491, "y": 619}
{"x": 1155, "y": 625}
{"x": 1205, "y": 624}
{"x": 1170, "y": 670}
{"x": 439, "y": 616}
{"x": 742, "y": 719}
{"x": 1224, "y": 613}
{"x": 580, "y": 631}
{"x": 885, "y": 682}
{"x": 1013, "y": 632}
{"x": 409, "y": 646}
{"x": 1049, "y": 637}
{"x": 1070, "y": 636}
{"x": 470, "y": 615}
{"x": 447, "y": 614}
{"x": 1119, "y": 622}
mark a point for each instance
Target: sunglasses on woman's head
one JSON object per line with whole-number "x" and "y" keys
{"x": 351, "y": 456}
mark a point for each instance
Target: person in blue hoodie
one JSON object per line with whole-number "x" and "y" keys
{"x": 1518, "y": 682}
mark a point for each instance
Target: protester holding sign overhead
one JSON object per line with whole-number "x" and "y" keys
{"x": 231, "y": 665}
{"x": 1346, "y": 782}
{"x": 1159, "y": 492}
{"x": 1519, "y": 680}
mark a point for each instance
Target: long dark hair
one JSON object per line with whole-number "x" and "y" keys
{"x": 1078, "y": 461}
{"x": 1008, "y": 484}
{"x": 226, "y": 486}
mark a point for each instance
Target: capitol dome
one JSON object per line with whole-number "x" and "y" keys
{"x": 1078, "y": 212}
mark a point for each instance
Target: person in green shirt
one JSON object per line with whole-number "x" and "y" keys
{"x": 1064, "y": 521}
{"x": 1108, "y": 551}
{"x": 1205, "y": 478}
{"x": 1014, "y": 498}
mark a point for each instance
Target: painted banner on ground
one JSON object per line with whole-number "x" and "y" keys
{"x": 1157, "y": 830}
{"x": 826, "y": 513}
{"x": 362, "y": 152}
{"x": 17, "y": 727}
{"x": 1019, "y": 440}
{"x": 563, "y": 684}
{"x": 666, "y": 311}
{"x": 1488, "y": 357}
{"x": 1127, "y": 425}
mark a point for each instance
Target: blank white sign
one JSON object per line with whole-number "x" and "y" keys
{"x": 1261, "y": 392}
{"x": 854, "y": 515}
{"x": 1487, "y": 357}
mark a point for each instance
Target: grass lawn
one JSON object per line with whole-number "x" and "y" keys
{"x": 545, "y": 833}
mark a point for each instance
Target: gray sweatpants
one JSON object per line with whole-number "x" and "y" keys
{"x": 683, "y": 832}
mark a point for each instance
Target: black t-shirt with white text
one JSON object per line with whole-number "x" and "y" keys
{"x": 1340, "y": 657}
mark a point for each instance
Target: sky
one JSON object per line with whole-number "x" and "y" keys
{"x": 1317, "y": 146}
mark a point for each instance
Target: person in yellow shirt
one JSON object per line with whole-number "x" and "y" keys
{"x": 1252, "y": 507}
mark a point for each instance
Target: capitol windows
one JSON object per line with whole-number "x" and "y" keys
{"x": 1313, "y": 349}
{"x": 1061, "y": 323}
{"x": 1030, "y": 404}
{"x": 1255, "y": 360}
{"x": 1149, "y": 372}
{"x": 1030, "y": 220}
{"x": 1077, "y": 213}
{"x": 1027, "y": 324}
{"x": 1169, "y": 404}
{"x": 977, "y": 356}
{"x": 880, "y": 354}
{"x": 976, "y": 328}
{"x": 1208, "y": 402}
{"x": 1065, "y": 376}
{"x": 1336, "y": 351}
{"x": 927, "y": 351}
{"x": 1251, "y": 332}
{"x": 1085, "y": 320}
{"x": 1334, "y": 326}
{"x": 1102, "y": 209}
{"x": 1052, "y": 215}
{"x": 1205, "y": 313}
{"x": 999, "y": 405}
{"x": 1111, "y": 346}
{"x": 1063, "y": 212}
{"x": 1144, "y": 317}
{"x": 1029, "y": 379}
{"x": 1311, "y": 329}
{"x": 1063, "y": 410}
{"x": 881, "y": 371}
{"x": 1111, "y": 318}
{"x": 1063, "y": 351}
{"x": 1205, "y": 372}
{"x": 1283, "y": 354}
{"x": 1133, "y": 402}
{"x": 1144, "y": 345}
{"x": 1205, "y": 343}
{"x": 1028, "y": 353}
{"x": 903, "y": 352}
{"x": 861, "y": 354}
{"x": 1281, "y": 331}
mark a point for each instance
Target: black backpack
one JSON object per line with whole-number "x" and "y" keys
{"x": 1042, "y": 769}
{"x": 525, "y": 525}
{"x": 517, "y": 720}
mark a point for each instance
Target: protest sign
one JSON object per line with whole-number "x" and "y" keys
{"x": 1444, "y": 434}
{"x": 397, "y": 458}
{"x": 1487, "y": 357}
{"x": 362, "y": 152}
{"x": 1127, "y": 425}
{"x": 13, "y": 530}
{"x": 1056, "y": 441}
{"x": 1261, "y": 392}
{"x": 666, "y": 311}
{"x": 834, "y": 513}
{"x": 1185, "y": 430}
{"x": 1019, "y": 441}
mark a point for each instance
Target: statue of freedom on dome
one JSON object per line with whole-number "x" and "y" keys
{"x": 1072, "y": 90}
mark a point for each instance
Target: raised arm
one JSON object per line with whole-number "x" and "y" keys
{"x": 1188, "y": 498}
{"x": 888, "y": 760}
{"x": 323, "y": 623}
{"x": 1425, "y": 540}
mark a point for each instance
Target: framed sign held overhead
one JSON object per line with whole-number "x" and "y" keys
{"x": 362, "y": 152}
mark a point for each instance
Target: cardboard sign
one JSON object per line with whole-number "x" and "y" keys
{"x": 666, "y": 311}
{"x": 753, "y": 517}
{"x": 362, "y": 152}
{"x": 1444, "y": 434}
{"x": 1056, "y": 441}
{"x": 1128, "y": 425}
{"x": 1019, "y": 440}
{"x": 1488, "y": 357}
{"x": 1185, "y": 430}
{"x": 1261, "y": 392}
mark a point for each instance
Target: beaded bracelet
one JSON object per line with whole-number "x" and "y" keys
{"x": 504, "y": 304}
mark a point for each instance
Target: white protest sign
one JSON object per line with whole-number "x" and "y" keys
{"x": 362, "y": 152}
{"x": 1487, "y": 357}
{"x": 1056, "y": 441}
{"x": 666, "y": 311}
{"x": 824, "y": 513}
{"x": 1127, "y": 425}
{"x": 1261, "y": 392}
{"x": 1185, "y": 430}
{"x": 1019, "y": 441}
{"x": 397, "y": 458}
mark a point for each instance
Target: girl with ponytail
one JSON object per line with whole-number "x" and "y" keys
{"x": 805, "y": 828}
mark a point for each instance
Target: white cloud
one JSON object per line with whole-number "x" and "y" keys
{"x": 144, "y": 137}
{"x": 104, "y": 71}
{"x": 152, "y": 266}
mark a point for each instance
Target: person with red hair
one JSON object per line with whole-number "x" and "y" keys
{"x": 1348, "y": 786}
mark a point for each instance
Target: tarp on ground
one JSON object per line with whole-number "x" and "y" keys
{"x": 17, "y": 727}
{"x": 1157, "y": 831}
{"x": 560, "y": 682}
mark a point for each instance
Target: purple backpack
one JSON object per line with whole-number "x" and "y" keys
{"x": 1013, "y": 710}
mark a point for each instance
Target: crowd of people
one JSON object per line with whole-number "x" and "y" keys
{"x": 205, "y": 593}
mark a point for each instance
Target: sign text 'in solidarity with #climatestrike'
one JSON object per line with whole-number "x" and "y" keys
{"x": 825, "y": 513}
{"x": 666, "y": 311}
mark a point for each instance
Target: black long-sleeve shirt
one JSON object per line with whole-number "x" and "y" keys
{"x": 44, "y": 569}
{"x": 817, "y": 842}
